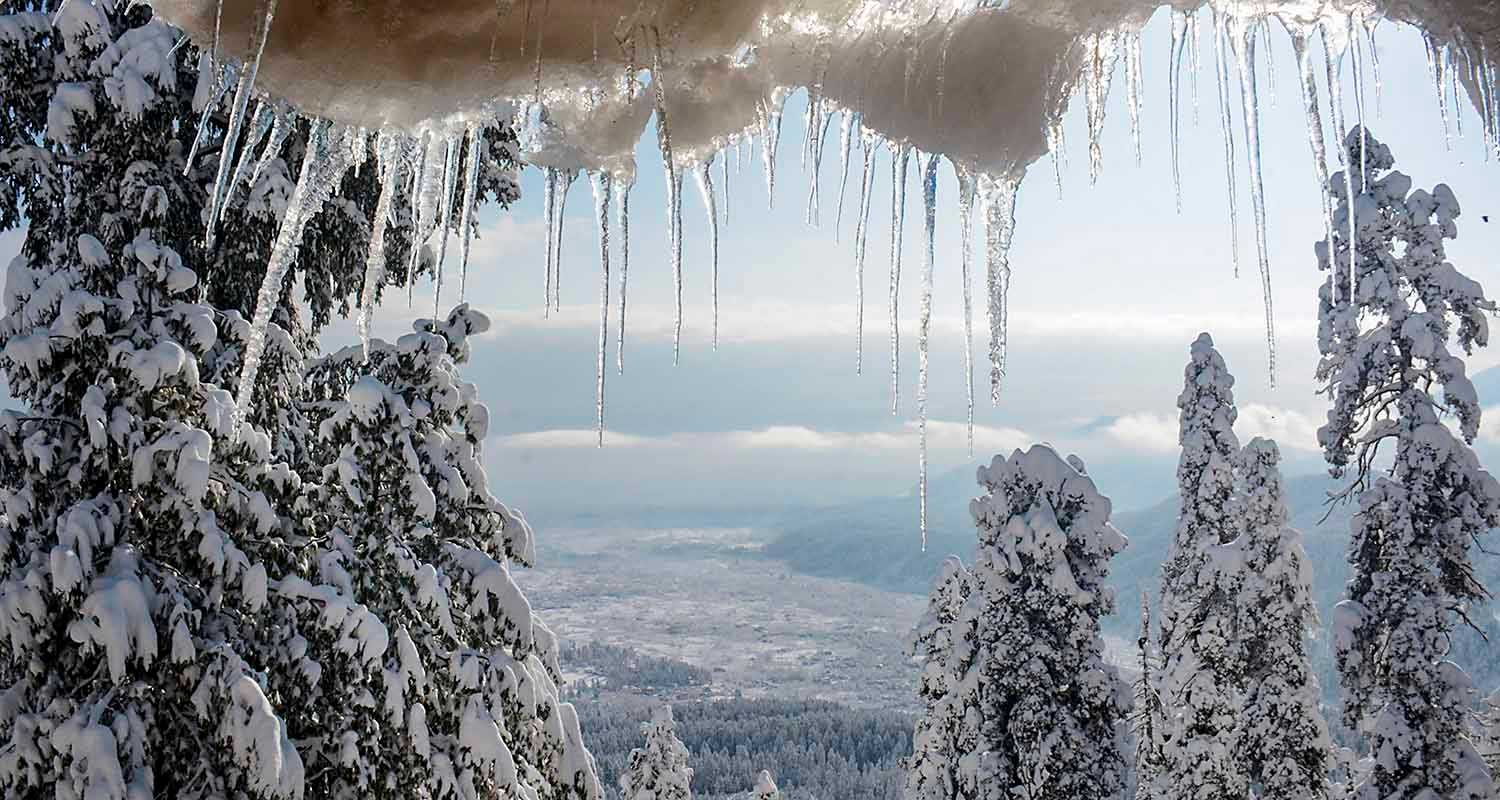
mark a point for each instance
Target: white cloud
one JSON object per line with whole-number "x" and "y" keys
{"x": 1157, "y": 433}
{"x": 941, "y": 435}
{"x": 1489, "y": 425}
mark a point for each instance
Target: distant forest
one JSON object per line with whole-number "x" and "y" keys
{"x": 816, "y": 750}
{"x": 613, "y": 667}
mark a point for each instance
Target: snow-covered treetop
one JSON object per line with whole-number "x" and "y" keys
{"x": 765, "y": 787}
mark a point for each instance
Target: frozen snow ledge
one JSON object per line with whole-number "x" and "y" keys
{"x": 979, "y": 81}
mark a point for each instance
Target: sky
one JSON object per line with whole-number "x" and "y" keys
{"x": 1110, "y": 285}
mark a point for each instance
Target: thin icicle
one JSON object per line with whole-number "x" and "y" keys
{"x": 566, "y": 179}
{"x": 861, "y": 236}
{"x": 1133, "y": 89}
{"x": 1332, "y": 66}
{"x": 1265, "y": 35}
{"x": 770, "y": 139}
{"x": 281, "y": 129}
{"x": 445, "y": 219}
{"x": 1458, "y": 102}
{"x": 1221, "y": 74}
{"x": 622, "y": 201}
{"x": 1250, "y": 98}
{"x": 1371, "y": 23}
{"x": 603, "y": 187}
{"x": 674, "y": 193}
{"x": 1055, "y": 148}
{"x": 390, "y": 157}
{"x": 471, "y": 195}
{"x": 1098, "y": 74}
{"x": 1310, "y": 110}
{"x": 997, "y": 196}
{"x": 899, "y": 162}
{"x": 1195, "y": 41}
{"x": 1359, "y": 94}
{"x": 242, "y": 94}
{"x": 924, "y": 325}
{"x": 724, "y": 179}
{"x": 325, "y": 162}
{"x": 549, "y": 218}
{"x": 706, "y": 189}
{"x": 1174, "y": 114}
{"x": 965, "y": 250}
{"x": 815, "y": 147}
{"x": 264, "y": 118}
{"x": 846, "y": 146}
{"x": 419, "y": 182}
{"x": 1435, "y": 62}
{"x": 221, "y": 86}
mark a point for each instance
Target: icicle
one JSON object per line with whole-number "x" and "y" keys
{"x": 325, "y": 162}
{"x": 861, "y": 236}
{"x": 1332, "y": 66}
{"x": 770, "y": 138}
{"x": 471, "y": 195}
{"x": 242, "y": 93}
{"x": 390, "y": 157}
{"x": 706, "y": 189}
{"x": 1359, "y": 95}
{"x": 1133, "y": 89}
{"x": 445, "y": 219}
{"x": 1265, "y": 35}
{"x": 1096, "y": 94}
{"x": 1314, "y": 128}
{"x": 566, "y": 179}
{"x": 846, "y": 145}
{"x": 220, "y": 88}
{"x": 899, "y": 161}
{"x": 929, "y": 203}
{"x": 1435, "y": 62}
{"x": 724, "y": 173}
{"x": 1221, "y": 74}
{"x": 1458, "y": 103}
{"x": 549, "y": 217}
{"x": 281, "y": 128}
{"x": 622, "y": 213}
{"x": 1179, "y": 33}
{"x": 966, "y": 238}
{"x": 815, "y": 147}
{"x": 1195, "y": 41}
{"x": 1055, "y": 147}
{"x": 1371, "y": 23}
{"x": 603, "y": 187}
{"x": 1250, "y": 99}
{"x": 674, "y": 193}
{"x": 997, "y": 196}
{"x": 419, "y": 181}
{"x": 264, "y": 117}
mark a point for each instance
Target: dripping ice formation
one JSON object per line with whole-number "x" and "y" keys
{"x": 979, "y": 83}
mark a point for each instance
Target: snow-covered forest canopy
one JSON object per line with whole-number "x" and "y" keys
{"x": 236, "y": 562}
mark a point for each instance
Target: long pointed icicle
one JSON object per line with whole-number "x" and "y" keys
{"x": 603, "y": 188}
{"x": 770, "y": 139}
{"x": 281, "y": 129}
{"x": 965, "y": 250}
{"x": 1133, "y": 89}
{"x": 1221, "y": 75}
{"x": 1250, "y": 98}
{"x": 264, "y": 118}
{"x": 471, "y": 194}
{"x": 861, "y": 237}
{"x": 1195, "y": 59}
{"x": 569, "y": 176}
{"x": 622, "y": 213}
{"x": 221, "y": 86}
{"x": 419, "y": 180}
{"x": 724, "y": 180}
{"x": 326, "y": 160}
{"x": 814, "y": 193}
{"x": 899, "y": 162}
{"x": 445, "y": 219}
{"x": 924, "y": 326}
{"x": 846, "y": 147}
{"x": 1179, "y": 22}
{"x": 674, "y": 192}
{"x": 549, "y": 217}
{"x": 390, "y": 158}
{"x": 997, "y": 196}
{"x": 266, "y": 9}
{"x": 1309, "y": 86}
{"x": 706, "y": 189}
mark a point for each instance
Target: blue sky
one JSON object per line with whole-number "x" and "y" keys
{"x": 1110, "y": 286}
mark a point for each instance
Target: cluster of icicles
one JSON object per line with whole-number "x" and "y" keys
{"x": 426, "y": 163}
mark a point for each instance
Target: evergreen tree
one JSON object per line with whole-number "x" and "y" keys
{"x": 1049, "y": 711}
{"x": 1392, "y": 305}
{"x": 318, "y": 606}
{"x": 658, "y": 771}
{"x": 765, "y": 787}
{"x": 944, "y": 644}
{"x": 1283, "y": 738}
{"x": 1148, "y": 714}
{"x": 1202, "y": 657}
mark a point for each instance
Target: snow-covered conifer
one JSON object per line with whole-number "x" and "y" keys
{"x": 659, "y": 770}
{"x": 1148, "y": 715}
{"x": 765, "y": 787}
{"x": 1201, "y": 675}
{"x": 1050, "y": 713}
{"x": 1283, "y": 737}
{"x": 944, "y": 646}
{"x": 1388, "y": 315}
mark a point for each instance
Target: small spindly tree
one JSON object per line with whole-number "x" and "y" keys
{"x": 1050, "y": 713}
{"x": 1283, "y": 737}
{"x": 659, "y": 770}
{"x": 1391, "y": 308}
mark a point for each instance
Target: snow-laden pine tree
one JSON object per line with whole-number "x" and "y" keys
{"x": 1148, "y": 713}
{"x": 946, "y": 731}
{"x": 1283, "y": 737}
{"x": 1386, "y": 323}
{"x": 1050, "y": 713}
{"x": 184, "y": 614}
{"x": 765, "y": 787}
{"x": 1201, "y": 676}
{"x": 659, "y": 770}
